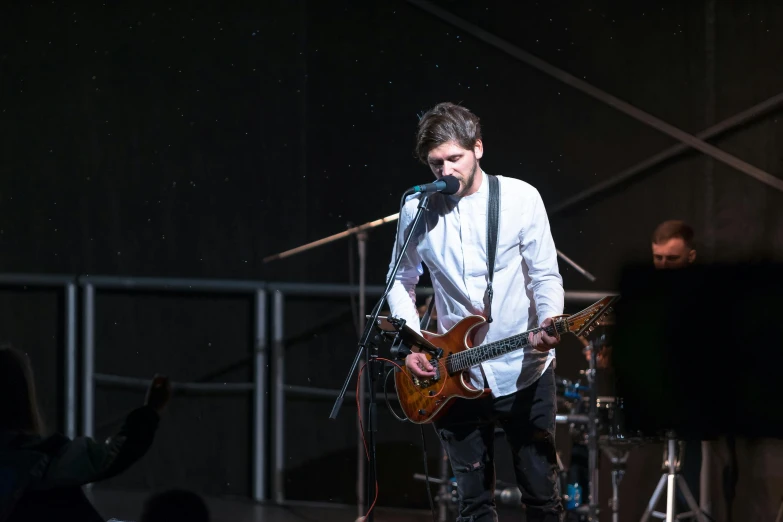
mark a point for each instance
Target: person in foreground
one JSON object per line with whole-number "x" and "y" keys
{"x": 527, "y": 291}
{"x": 41, "y": 477}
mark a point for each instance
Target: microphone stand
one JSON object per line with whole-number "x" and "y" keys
{"x": 361, "y": 463}
{"x": 369, "y": 350}
{"x": 361, "y": 232}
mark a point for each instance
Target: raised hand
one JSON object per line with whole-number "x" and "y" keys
{"x": 159, "y": 393}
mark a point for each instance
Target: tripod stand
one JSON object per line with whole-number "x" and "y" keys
{"x": 671, "y": 478}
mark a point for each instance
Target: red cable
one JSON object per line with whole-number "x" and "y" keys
{"x": 364, "y": 441}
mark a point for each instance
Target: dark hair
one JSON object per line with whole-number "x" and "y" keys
{"x": 18, "y": 404}
{"x": 673, "y": 229}
{"x": 175, "y": 504}
{"x": 444, "y": 123}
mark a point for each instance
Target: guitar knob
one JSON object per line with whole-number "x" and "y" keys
{"x": 432, "y": 393}
{"x": 422, "y": 412}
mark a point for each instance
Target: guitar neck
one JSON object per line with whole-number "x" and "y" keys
{"x": 473, "y": 357}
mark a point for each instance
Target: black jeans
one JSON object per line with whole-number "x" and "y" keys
{"x": 467, "y": 432}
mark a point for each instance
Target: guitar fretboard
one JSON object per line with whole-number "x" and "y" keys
{"x": 474, "y": 356}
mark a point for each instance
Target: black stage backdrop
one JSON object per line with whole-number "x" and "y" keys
{"x": 192, "y": 140}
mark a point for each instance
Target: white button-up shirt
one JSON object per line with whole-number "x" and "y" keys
{"x": 451, "y": 240}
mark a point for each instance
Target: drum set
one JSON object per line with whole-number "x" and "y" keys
{"x": 596, "y": 425}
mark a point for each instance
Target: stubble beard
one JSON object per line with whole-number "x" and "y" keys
{"x": 470, "y": 179}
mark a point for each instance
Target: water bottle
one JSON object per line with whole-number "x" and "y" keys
{"x": 574, "y": 494}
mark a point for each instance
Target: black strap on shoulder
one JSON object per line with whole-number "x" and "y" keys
{"x": 493, "y": 211}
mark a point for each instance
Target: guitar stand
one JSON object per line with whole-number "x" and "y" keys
{"x": 672, "y": 479}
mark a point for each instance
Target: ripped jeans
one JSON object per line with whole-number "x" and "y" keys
{"x": 467, "y": 432}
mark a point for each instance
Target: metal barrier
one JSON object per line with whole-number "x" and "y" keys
{"x": 68, "y": 284}
{"x": 262, "y": 290}
{"x": 90, "y": 284}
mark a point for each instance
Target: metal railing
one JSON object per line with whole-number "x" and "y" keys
{"x": 68, "y": 285}
{"x": 90, "y": 378}
{"x": 261, "y": 359}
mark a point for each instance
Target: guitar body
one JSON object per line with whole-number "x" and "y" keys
{"x": 425, "y": 400}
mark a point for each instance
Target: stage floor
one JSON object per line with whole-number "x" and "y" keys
{"x": 126, "y": 506}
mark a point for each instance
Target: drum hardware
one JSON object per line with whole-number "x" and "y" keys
{"x": 592, "y": 433}
{"x": 604, "y": 431}
{"x": 618, "y": 456}
{"x": 447, "y": 494}
{"x": 506, "y": 493}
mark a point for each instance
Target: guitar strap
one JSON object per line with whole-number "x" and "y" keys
{"x": 493, "y": 211}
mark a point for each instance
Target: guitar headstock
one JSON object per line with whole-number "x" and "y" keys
{"x": 594, "y": 315}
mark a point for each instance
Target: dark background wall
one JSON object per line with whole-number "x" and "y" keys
{"x": 192, "y": 140}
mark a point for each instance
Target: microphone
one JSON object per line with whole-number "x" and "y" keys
{"x": 446, "y": 185}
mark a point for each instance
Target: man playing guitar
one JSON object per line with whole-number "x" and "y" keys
{"x": 527, "y": 292}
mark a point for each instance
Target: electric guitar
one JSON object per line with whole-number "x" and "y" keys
{"x": 452, "y": 354}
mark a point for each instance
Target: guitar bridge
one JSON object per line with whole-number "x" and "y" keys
{"x": 423, "y": 383}
{"x": 429, "y": 381}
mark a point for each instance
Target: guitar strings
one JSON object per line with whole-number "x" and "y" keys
{"x": 463, "y": 359}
